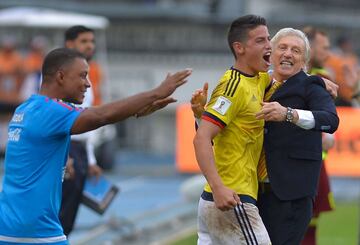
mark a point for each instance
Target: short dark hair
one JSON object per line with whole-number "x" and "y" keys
{"x": 240, "y": 27}
{"x": 311, "y": 32}
{"x": 56, "y": 59}
{"x": 74, "y": 31}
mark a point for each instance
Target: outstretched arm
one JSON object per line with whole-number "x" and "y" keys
{"x": 95, "y": 117}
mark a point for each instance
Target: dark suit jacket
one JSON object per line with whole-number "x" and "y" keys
{"x": 293, "y": 154}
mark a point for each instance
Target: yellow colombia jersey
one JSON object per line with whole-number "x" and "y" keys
{"x": 232, "y": 106}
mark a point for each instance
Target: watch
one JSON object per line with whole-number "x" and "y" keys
{"x": 289, "y": 114}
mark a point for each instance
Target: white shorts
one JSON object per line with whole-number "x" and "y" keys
{"x": 242, "y": 225}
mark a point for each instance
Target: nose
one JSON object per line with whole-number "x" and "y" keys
{"x": 287, "y": 53}
{"x": 87, "y": 83}
{"x": 268, "y": 44}
{"x": 91, "y": 46}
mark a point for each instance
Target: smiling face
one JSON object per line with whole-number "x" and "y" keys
{"x": 288, "y": 57}
{"x": 75, "y": 80}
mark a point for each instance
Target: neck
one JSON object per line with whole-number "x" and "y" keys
{"x": 281, "y": 78}
{"x": 49, "y": 91}
{"x": 244, "y": 68}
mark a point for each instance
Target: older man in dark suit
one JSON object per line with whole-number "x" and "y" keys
{"x": 293, "y": 147}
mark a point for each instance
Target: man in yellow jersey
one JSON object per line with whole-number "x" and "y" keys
{"x": 227, "y": 208}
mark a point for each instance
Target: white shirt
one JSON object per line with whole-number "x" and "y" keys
{"x": 85, "y": 137}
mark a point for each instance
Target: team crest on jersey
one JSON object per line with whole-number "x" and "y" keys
{"x": 221, "y": 105}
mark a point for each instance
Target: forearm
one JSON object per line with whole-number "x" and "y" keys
{"x": 304, "y": 119}
{"x": 326, "y": 121}
{"x": 205, "y": 158}
{"x": 95, "y": 117}
{"x": 122, "y": 109}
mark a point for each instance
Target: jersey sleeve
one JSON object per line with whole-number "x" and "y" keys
{"x": 225, "y": 102}
{"x": 60, "y": 117}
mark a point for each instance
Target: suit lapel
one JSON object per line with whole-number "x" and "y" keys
{"x": 288, "y": 85}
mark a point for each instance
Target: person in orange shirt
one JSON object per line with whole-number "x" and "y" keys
{"x": 32, "y": 66}
{"x": 11, "y": 72}
{"x": 11, "y": 77}
{"x": 345, "y": 68}
{"x": 324, "y": 201}
{"x": 96, "y": 78}
{"x": 35, "y": 57}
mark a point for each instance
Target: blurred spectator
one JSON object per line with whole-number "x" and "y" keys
{"x": 32, "y": 65}
{"x": 96, "y": 78}
{"x": 11, "y": 77}
{"x": 81, "y": 154}
{"x": 11, "y": 72}
{"x": 320, "y": 52}
{"x": 345, "y": 66}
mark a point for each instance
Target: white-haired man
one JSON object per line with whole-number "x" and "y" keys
{"x": 293, "y": 154}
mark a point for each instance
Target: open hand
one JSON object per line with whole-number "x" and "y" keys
{"x": 173, "y": 81}
{"x": 198, "y": 100}
{"x": 156, "y": 105}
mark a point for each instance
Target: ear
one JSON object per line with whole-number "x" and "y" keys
{"x": 238, "y": 48}
{"x": 60, "y": 77}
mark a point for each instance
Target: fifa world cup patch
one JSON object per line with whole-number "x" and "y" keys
{"x": 221, "y": 105}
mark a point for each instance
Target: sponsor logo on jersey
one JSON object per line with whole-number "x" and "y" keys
{"x": 18, "y": 117}
{"x": 14, "y": 134}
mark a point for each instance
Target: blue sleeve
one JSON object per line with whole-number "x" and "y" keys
{"x": 59, "y": 118}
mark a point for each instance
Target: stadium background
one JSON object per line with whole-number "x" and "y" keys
{"x": 144, "y": 40}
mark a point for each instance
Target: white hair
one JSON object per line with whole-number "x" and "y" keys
{"x": 293, "y": 32}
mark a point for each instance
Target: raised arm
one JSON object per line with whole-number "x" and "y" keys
{"x": 198, "y": 100}
{"x": 95, "y": 117}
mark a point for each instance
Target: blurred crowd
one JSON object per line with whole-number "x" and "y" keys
{"x": 20, "y": 74}
{"x": 20, "y": 77}
{"x": 342, "y": 64}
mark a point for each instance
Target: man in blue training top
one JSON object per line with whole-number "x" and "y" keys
{"x": 38, "y": 144}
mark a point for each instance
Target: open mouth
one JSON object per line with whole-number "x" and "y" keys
{"x": 266, "y": 57}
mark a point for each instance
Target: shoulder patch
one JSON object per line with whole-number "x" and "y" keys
{"x": 221, "y": 105}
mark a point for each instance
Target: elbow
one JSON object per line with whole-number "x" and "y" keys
{"x": 334, "y": 124}
{"x": 196, "y": 140}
